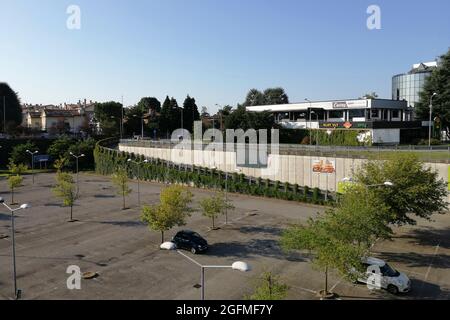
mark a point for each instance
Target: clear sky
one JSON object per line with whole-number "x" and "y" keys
{"x": 214, "y": 50}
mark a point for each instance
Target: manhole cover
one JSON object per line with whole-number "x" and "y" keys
{"x": 90, "y": 275}
{"x": 197, "y": 286}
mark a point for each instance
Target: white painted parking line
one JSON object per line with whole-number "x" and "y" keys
{"x": 335, "y": 285}
{"x": 432, "y": 260}
{"x": 303, "y": 289}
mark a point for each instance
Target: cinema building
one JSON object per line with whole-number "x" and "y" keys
{"x": 383, "y": 121}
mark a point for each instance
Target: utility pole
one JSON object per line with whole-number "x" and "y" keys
{"x": 431, "y": 114}
{"x": 121, "y": 122}
{"x": 4, "y": 114}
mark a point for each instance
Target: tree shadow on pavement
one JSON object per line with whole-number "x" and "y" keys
{"x": 429, "y": 237}
{"x": 413, "y": 259}
{"x": 255, "y": 247}
{"x": 120, "y": 223}
{"x": 261, "y": 229}
{"x": 426, "y": 290}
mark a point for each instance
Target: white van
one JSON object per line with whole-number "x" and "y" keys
{"x": 381, "y": 275}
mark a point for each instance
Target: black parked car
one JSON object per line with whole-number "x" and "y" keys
{"x": 190, "y": 240}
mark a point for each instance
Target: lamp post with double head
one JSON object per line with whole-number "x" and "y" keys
{"x": 32, "y": 162}
{"x": 17, "y": 293}
{"x": 238, "y": 265}
{"x": 76, "y": 158}
{"x": 431, "y": 114}
{"x": 138, "y": 164}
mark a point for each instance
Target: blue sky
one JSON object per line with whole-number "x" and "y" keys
{"x": 214, "y": 50}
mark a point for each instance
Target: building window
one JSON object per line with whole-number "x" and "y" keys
{"x": 374, "y": 114}
{"x": 360, "y": 113}
{"x": 335, "y": 114}
{"x": 395, "y": 114}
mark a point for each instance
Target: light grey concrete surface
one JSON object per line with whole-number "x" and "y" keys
{"x": 125, "y": 254}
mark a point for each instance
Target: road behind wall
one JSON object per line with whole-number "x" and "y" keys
{"x": 295, "y": 169}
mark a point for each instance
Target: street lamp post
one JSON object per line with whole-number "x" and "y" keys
{"x": 138, "y": 164}
{"x": 238, "y": 265}
{"x": 32, "y": 162}
{"x": 17, "y": 293}
{"x": 429, "y": 124}
{"x": 310, "y": 131}
{"x": 77, "y": 157}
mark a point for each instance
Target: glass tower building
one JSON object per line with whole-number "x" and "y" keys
{"x": 409, "y": 85}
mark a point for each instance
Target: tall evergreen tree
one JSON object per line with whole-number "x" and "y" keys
{"x": 164, "y": 119}
{"x": 149, "y": 105}
{"x": 439, "y": 83}
{"x": 275, "y": 96}
{"x": 10, "y": 107}
{"x": 190, "y": 113}
{"x": 175, "y": 115}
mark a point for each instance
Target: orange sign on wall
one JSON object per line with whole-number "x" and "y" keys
{"x": 323, "y": 166}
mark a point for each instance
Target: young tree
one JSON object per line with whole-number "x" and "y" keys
{"x": 120, "y": 180}
{"x": 60, "y": 163}
{"x": 14, "y": 181}
{"x": 269, "y": 287}
{"x": 416, "y": 189}
{"x": 66, "y": 190}
{"x": 172, "y": 210}
{"x": 322, "y": 238}
{"x": 214, "y": 206}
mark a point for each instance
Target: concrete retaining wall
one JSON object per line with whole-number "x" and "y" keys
{"x": 284, "y": 168}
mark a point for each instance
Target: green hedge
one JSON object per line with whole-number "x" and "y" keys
{"x": 107, "y": 160}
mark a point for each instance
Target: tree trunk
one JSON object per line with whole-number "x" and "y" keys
{"x": 213, "y": 225}
{"x": 71, "y": 210}
{"x": 123, "y": 200}
{"x": 326, "y": 280}
{"x": 12, "y": 196}
{"x": 162, "y": 236}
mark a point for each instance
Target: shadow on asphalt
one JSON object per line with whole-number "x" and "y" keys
{"x": 255, "y": 247}
{"x": 429, "y": 237}
{"x": 5, "y": 217}
{"x": 119, "y": 223}
{"x": 104, "y": 196}
{"x": 426, "y": 290}
{"x": 413, "y": 259}
{"x": 261, "y": 229}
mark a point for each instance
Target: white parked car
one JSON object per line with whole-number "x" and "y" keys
{"x": 380, "y": 275}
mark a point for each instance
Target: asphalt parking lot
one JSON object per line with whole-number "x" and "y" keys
{"x": 126, "y": 255}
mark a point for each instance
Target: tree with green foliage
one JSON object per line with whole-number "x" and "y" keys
{"x": 109, "y": 115}
{"x": 85, "y": 147}
{"x": 190, "y": 113}
{"x": 66, "y": 190}
{"x": 14, "y": 182}
{"x": 274, "y": 96}
{"x": 19, "y": 153}
{"x": 254, "y": 98}
{"x": 17, "y": 169}
{"x": 133, "y": 120}
{"x": 120, "y": 180}
{"x": 371, "y": 95}
{"x": 214, "y": 206}
{"x": 172, "y": 210}
{"x": 60, "y": 163}
{"x": 330, "y": 245}
{"x": 170, "y": 118}
{"x": 240, "y": 118}
{"x": 416, "y": 188}
{"x": 438, "y": 82}
{"x": 59, "y": 147}
{"x": 149, "y": 105}
{"x": 10, "y": 103}
{"x": 269, "y": 287}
